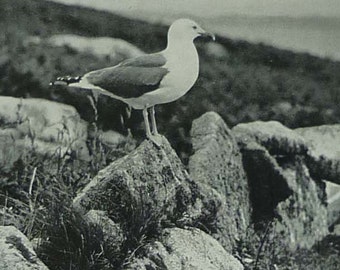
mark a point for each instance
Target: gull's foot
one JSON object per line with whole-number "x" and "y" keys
{"x": 156, "y": 139}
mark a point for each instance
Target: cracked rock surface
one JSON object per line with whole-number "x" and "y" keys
{"x": 217, "y": 165}
{"x": 185, "y": 249}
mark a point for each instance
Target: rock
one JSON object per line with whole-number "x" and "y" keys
{"x": 282, "y": 108}
{"x": 111, "y": 138}
{"x": 281, "y": 186}
{"x": 10, "y": 216}
{"x": 217, "y": 164}
{"x": 109, "y": 234}
{"x": 185, "y": 249}
{"x": 17, "y": 252}
{"x": 148, "y": 189}
{"x": 304, "y": 214}
{"x": 333, "y": 202}
{"x": 336, "y": 230}
{"x": 99, "y": 46}
{"x": 267, "y": 182}
{"x": 142, "y": 189}
{"x": 142, "y": 264}
{"x": 275, "y": 137}
{"x": 324, "y": 151}
{"x": 40, "y": 126}
{"x": 216, "y": 50}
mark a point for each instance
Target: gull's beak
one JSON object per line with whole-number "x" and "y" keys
{"x": 207, "y": 35}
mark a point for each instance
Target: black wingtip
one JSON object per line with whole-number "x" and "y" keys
{"x": 65, "y": 80}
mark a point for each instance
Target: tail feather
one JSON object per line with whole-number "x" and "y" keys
{"x": 66, "y": 80}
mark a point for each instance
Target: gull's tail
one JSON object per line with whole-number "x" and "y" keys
{"x": 66, "y": 80}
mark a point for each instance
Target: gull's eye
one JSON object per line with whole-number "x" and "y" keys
{"x": 194, "y": 27}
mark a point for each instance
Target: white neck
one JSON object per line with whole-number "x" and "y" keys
{"x": 182, "y": 48}
{"x": 179, "y": 39}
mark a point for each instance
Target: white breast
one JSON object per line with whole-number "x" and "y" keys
{"x": 183, "y": 69}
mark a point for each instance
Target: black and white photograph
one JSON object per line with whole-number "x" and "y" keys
{"x": 169, "y": 135}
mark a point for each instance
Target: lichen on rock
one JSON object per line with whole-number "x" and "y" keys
{"x": 185, "y": 249}
{"x": 216, "y": 166}
{"x": 17, "y": 252}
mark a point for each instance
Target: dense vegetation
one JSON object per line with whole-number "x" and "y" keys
{"x": 248, "y": 82}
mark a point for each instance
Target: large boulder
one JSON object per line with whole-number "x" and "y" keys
{"x": 268, "y": 185}
{"x": 17, "y": 251}
{"x": 333, "y": 202}
{"x": 323, "y": 161}
{"x": 109, "y": 234}
{"x": 185, "y": 249}
{"x": 274, "y": 136}
{"x": 149, "y": 189}
{"x": 303, "y": 215}
{"x": 142, "y": 187}
{"x": 281, "y": 188}
{"x": 39, "y": 126}
{"x": 114, "y": 48}
{"x": 324, "y": 151}
{"x": 217, "y": 165}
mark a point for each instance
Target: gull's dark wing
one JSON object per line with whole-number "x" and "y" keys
{"x": 131, "y": 78}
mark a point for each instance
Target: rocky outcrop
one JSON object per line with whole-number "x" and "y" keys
{"x": 114, "y": 48}
{"x": 17, "y": 252}
{"x": 323, "y": 162}
{"x": 185, "y": 249}
{"x": 274, "y": 136}
{"x": 333, "y": 202}
{"x": 149, "y": 190}
{"x": 324, "y": 151}
{"x": 145, "y": 185}
{"x": 145, "y": 211}
{"x": 108, "y": 233}
{"x": 281, "y": 187}
{"x": 217, "y": 165}
{"x": 40, "y": 126}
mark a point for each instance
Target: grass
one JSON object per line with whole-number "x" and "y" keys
{"x": 37, "y": 195}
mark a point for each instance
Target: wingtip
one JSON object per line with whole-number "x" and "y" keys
{"x": 57, "y": 83}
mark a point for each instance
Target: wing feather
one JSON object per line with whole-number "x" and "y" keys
{"x": 131, "y": 78}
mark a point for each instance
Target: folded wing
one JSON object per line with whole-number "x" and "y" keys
{"x": 131, "y": 78}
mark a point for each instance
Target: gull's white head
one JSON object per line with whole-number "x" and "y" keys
{"x": 188, "y": 30}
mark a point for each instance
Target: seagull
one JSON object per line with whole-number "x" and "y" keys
{"x": 151, "y": 79}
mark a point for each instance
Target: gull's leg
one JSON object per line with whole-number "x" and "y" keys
{"x": 157, "y": 140}
{"x": 147, "y": 124}
{"x": 153, "y": 121}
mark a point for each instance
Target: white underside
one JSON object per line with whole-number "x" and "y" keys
{"x": 183, "y": 66}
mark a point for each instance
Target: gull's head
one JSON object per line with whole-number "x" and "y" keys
{"x": 187, "y": 29}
